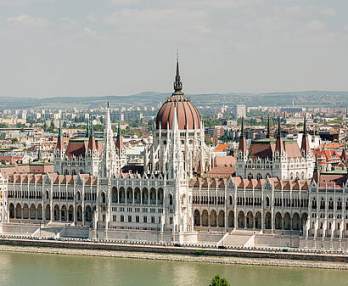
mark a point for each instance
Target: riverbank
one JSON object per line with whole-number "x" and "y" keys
{"x": 168, "y": 256}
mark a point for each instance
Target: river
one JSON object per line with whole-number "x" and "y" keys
{"x": 20, "y": 269}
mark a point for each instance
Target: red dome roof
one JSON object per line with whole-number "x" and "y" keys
{"x": 187, "y": 114}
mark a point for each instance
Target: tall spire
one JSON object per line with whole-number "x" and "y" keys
{"x": 39, "y": 154}
{"x": 242, "y": 140}
{"x": 242, "y": 128}
{"x": 88, "y": 128}
{"x": 119, "y": 141}
{"x": 268, "y": 135}
{"x": 91, "y": 139}
{"x": 279, "y": 143}
{"x": 305, "y": 142}
{"x": 109, "y": 146}
{"x": 60, "y": 137}
{"x": 177, "y": 82}
{"x": 305, "y": 125}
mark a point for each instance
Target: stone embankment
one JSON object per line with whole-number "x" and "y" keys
{"x": 177, "y": 253}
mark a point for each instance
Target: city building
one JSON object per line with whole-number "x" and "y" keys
{"x": 183, "y": 192}
{"x": 275, "y": 157}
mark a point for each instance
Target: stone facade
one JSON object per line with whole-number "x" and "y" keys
{"x": 274, "y": 190}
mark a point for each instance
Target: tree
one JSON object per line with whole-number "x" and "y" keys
{"x": 219, "y": 281}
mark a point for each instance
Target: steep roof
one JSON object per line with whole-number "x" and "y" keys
{"x": 265, "y": 149}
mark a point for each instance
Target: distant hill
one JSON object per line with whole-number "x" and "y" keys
{"x": 303, "y": 98}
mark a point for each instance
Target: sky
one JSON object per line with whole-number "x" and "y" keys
{"x": 119, "y": 47}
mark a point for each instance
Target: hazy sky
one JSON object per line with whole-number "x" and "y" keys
{"x": 118, "y": 47}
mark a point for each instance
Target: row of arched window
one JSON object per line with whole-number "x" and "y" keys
{"x": 139, "y": 196}
{"x": 330, "y": 204}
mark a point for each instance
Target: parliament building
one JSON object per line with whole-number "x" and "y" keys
{"x": 278, "y": 189}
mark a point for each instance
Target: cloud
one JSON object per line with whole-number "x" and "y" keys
{"x": 27, "y": 20}
{"x": 328, "y": 12}
{"x": 125, "y": 46}
{"x": 316, "y": 25}
{"x": 125, "y": 2}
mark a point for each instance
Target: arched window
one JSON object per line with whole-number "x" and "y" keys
{"x": 331, "y": 204}
{"x": 114, "y": 195}
{"x": 103, "y": 197}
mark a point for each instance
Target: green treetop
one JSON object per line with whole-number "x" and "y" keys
{"x": 219, "y": 281}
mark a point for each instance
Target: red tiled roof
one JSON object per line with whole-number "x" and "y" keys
{"x": 335, "y": 181}
{"x": 221, "y": 147}
{"x": 225, "y": 161}
{"x": 266, "y": 150}
{"x": 221, "y": 171}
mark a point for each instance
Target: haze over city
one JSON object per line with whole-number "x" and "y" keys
{"x": 120, "y": 47}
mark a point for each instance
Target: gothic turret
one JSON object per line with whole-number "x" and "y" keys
{"x": 268, "y": 135}
{"x": 177, "y": 82}
{"x": 91, "y": 140}
{"x": 108, "y": 165}
{"x": 119, "y": 140}
{"x": 279, "y": 142}
{"x": 305, "y": 141}
{"x": 60, "y": 144}
{"x": 242, "y": 140}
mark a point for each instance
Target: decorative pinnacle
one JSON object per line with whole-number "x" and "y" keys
{"x": 279, "y": 131}
{"x": 305, "y": 125}
{"x": 60, "y": 128}
{"x": 242, "y": 128}
{"x": 177, "y": 82}
{"x": 119, "y": 130}
{"x": 91, "y": 127}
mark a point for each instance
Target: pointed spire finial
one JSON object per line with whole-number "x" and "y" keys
{"x": 87, "y": 128}
{"x": 305, "y": 125}
{"x": 91, "y": 127}
{"x": 279, "y": 130}
{"x": 108, "y": 104}
{"x": 242, "y": 147}
{"x": 268, "y": 128}
{"x": 242, "y": 128}
{"x": 60, "y": 137}
{"x": 60, "y": 128}
{"x": 177, "y": 82}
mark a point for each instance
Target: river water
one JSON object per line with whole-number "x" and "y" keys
{"x": 20, "y": 269}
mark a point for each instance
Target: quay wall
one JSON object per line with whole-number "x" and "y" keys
{"x": 183, "y": 250}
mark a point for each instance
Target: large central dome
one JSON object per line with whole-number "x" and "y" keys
{"x": 187, "y": 114}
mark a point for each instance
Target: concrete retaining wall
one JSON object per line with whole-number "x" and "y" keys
{"x": 265, "y": 240}
{"x": 177, "y": 250}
